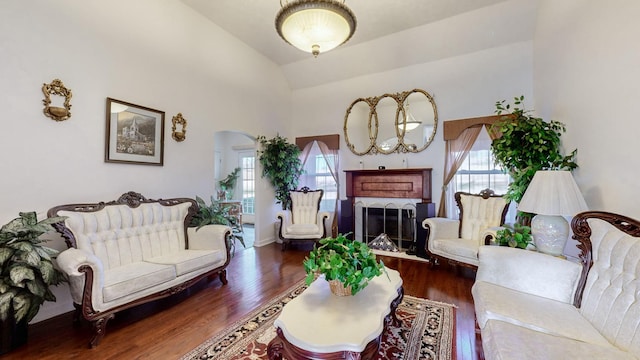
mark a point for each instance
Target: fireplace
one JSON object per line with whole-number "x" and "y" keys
{"x": 397, "y": 223}
{"x": 394, "y": 202}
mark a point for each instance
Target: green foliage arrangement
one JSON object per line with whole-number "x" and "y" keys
{"x": 217, "y": 213}
{"x": 527, "y": 144}
{"x": 350, "y": 262}
{"x": 281, "y": 164}
{"x": 229, "y": 182}
{"x": 26, "y": 266}
{"x": 518, "y": 236}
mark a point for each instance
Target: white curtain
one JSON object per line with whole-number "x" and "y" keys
{"x": 332, "y": 161}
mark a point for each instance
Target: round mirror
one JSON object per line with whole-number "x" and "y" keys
{"x": 387, "y": 110}
{"x": 418, "y": 121}
{"x": 359, "y": 132}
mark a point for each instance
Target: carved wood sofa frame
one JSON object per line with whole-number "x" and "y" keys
{"x": 132, "y": 199}
{"x": 582, "y": 233}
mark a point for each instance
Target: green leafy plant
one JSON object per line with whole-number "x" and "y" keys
{"x": 527, "y": 144}
{"x": 516, "y": 235}
{"x": 281, "y": 165}
{"x": 218, "y": 213}
{"x": 229, "y": 183}
{"x": 350, "y": 262}
{"x": 26, "y": 266}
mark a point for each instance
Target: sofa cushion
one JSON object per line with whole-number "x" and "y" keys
{"x": 506, "y": 341}
{"x": 186, "y": 261}
{"x": 128, "y": 279}
{"x": 119, "y": 235}
{"x": 611, "y": 298}
{"x": 479, "y": 214}
{"x": 457, "y": 248}
{"x": 494, "y": 302}
{"x": 303, "y": 229}
{"x": 305, "y": 206}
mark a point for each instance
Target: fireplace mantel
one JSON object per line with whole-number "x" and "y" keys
{"x": 389, "y": 183}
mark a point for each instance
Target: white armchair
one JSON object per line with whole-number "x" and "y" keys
{"x": 304, "y": 221}
{"x": 458, "y": 240}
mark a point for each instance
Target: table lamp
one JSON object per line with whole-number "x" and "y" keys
{"x": 551, "y": 195}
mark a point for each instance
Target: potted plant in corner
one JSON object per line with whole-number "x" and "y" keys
{"x": 228, "y": 184}
{"x": 27, "y": 272}
{"x": 346, "y": 264}
{"x": 281, "y": 165}
{"x": 527, "y": 144}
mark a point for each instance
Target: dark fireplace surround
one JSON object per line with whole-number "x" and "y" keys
{"x": 389, "y": 183}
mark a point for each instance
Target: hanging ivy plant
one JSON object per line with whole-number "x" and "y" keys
{"x": 527, "y": 144}
{"x": 281, "y": 164}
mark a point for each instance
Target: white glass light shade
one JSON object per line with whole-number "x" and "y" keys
{"x": 315, "y": 26}
{"x": 551, "y": 195}
{"x": 410, "y": 123}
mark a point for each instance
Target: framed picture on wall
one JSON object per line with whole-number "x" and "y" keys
{"x": 135, "y": 134}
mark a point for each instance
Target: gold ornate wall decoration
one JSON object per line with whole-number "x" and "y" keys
{"x": 403, "y": 122}
{"x": 57, "y": 113}
{"x": 178, "y": 135}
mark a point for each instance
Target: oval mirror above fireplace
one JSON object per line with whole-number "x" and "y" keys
{"x": 391, "y": 123}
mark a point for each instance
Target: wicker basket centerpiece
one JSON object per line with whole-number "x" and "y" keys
{"x": 346, "y": 264}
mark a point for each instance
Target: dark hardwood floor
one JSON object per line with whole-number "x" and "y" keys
{"x": 171, "y": 327}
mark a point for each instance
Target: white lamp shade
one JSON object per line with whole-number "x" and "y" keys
{"x": 553, "y": 192}
{"x": 315, "y": 26}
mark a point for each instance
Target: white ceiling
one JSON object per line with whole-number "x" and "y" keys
{"x": 252, "y": 21}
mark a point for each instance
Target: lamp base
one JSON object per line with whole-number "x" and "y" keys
{"x": 550, "y": 233}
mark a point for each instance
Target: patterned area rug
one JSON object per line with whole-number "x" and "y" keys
{"x": 427, "y": 332}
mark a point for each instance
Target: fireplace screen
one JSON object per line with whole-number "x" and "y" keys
{"x": 398, "y": 223}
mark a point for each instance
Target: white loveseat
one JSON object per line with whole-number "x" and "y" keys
{"x": 535, "y": 306}
{"x": 134, "y": 250}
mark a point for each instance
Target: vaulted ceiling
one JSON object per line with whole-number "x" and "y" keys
{"x": 252, "y": 21}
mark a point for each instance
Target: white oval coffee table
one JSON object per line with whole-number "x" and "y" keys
{"x": 319, "y": 325}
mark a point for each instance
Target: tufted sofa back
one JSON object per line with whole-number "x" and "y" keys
{"x": 119, "y": 235}
{"x": 305, "y": 205}
{"x": 611, "y": 297}
{"x": 480, "y": 213}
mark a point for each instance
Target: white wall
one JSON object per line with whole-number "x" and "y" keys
{"x": 587, "y": 76}
{"x": 154, "y": 53}
{"x": 465, "y": 85}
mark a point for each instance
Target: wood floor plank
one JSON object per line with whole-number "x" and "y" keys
{"x": 171, "y": 327}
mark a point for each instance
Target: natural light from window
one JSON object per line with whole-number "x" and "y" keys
{"x": 248, "y": 171}
{"x": 478, "y": 172}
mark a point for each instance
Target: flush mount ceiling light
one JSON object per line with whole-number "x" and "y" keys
{"x": 315, "y": 25}
{"x": 410, "y": 123}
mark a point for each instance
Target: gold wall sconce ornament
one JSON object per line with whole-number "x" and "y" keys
{"x": 178, "y": 135}
{"x": 57, "y": 113}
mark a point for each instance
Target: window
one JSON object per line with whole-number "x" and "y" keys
{"x": 248, "y": 171}
{"x": 318, "y": 176}
{"x": 478, "y": 172}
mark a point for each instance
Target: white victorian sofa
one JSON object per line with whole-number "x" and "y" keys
{"x": 135, "y": 250}
{"x": 534, "y": 306}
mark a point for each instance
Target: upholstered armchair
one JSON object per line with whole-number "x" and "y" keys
{"x": 305, "y": 221}
{"x": 458, "y": 240}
